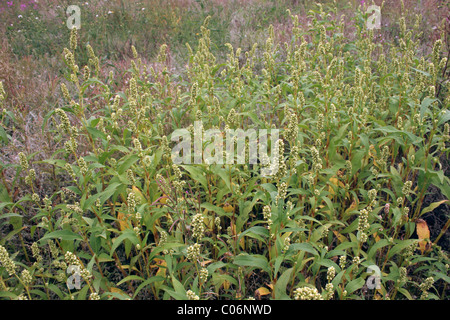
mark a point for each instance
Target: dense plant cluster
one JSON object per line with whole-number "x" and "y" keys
{"x": 364, "y": 128}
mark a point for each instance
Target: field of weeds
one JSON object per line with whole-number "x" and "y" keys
{"x": 227, "y": 150}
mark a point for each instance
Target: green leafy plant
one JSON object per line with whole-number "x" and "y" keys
{"x": 363, "y": 133}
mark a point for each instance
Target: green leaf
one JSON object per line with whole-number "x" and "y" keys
{"x": 118, "y": 295}
{"x": 424, "y": 106}
{"x": 281, "y": 285}
{"x": 95, "y": 242}
{"x": 196, "y": 174}
{"x": 9, "y": 215}
{"x": 7, "y": 294}
{"x": 405, "y": 293}
{"x": 402, "y": 244}
{"x": 126, "y": 162}
{"x": 127, "y": 234}
{"x": 6, "y": 238}
{"x": 86, "y": 204}
{"x": 83, "y": 293}
{"x": 216, "y": 209}
{"x": 146, "y": 283}
{"x": 422, "y": 72}
{"x": 214, "y": 266}
{"x": 103, "y": 257}
{"x": 254, "y": 260}
{"x": 444, "y": 118}
{"x": 440, "y": 275}
{"x": 129, "y": 278}
{"x": 108, "y": 192}
{"x": 305, "y": 246}
{"x": 354, "y": 285}
{"x": 318, "y": 232}
{"x": 277, "y": 263}
{"x": 63, "y": 235}
{"x": 224, "y": 175}
{"x": 433, "y": 206}
{"x": 3, "y": 135}
{"x": 55, "y": 289}
{"x": 327, "y": 263}
{"x": 119, "y": 148}
{"x": 36, "y": 292}
{"x": 179, "y": 288}
{"x": 395, "y": 133}
{"x": 252, "y": 115}
{"x": 378, "y": 245}
{"x": 329, "y": 205}
{"x": 47, "y": 116}
{"x": 255, "y": 232}
{"x": 180, "y": 291}
{"x": 95, "y": 133}
{"x": 219, "y": 279}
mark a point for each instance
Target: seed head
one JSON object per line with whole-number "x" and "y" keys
{"x": 203, "y": 275}
{"x": 94, "y": 296}
{"x": 307, "y": 293}
{"x": 73, "y": 39}
{"x": 191, "y": 295}
{"x": 193, "y": 252}
{"x": 6, "y": 261}
{"x": 23, "y": 161}
{"x": 331, "y": 273}
{"x": 198, "y": 226}
{"x": 406, "y": 189}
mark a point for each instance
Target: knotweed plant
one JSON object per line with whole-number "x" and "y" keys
{"x": 364, "y": 134}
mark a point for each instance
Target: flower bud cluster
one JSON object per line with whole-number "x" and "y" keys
{"x": 23, "y": 161}
{"x": 342, "y": 262}
{"x": 193, "y": 252}
{"x": 72, "y": 260}
{"x": 406, "y": 189}
{"x": 94, "y": 296}
{"x": 73, "y": 39}
{"x": 130, "y": 177}
{"x": 356, "y": 261}
{"x": 307, "y": 293}
{"x": 363, "y": 224}
{"x": 286, "y": 244}
{"x": 282, "y": 191}
{"x": 198, "y": 226}
{"x": 279, "y": 165}
{"x": 316, "y": 162}
{"x": 65, "y": 123}
{"x": 131, "y": 202}
{"x": 26, "y": 277}
{"x": 372, "y": 197}
{"x": 203, "y": 275}
{"x": 267, "y": 214}
{"x": 83, "y": 166}
{"x": 403, "y": 274}
{"x": 65, "y": 92}
{"x": 331, "y": 273}
{"x": 191, "y": 295}
{"x": 294, "y": 157}
{"x": 7, "y": 262}
{"x": 232, "y": 118}
{"x": 425, "y": 286}
{"x": 291, "y": 131}
{"x": 217, "y": 224}
{"x": 36, "y": 252}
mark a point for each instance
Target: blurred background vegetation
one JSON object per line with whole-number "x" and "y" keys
{"x": 34, "y": 34}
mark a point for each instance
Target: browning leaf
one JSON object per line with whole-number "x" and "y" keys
{"x": 424, "y": 235}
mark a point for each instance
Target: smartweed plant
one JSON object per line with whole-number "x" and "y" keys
{"x": 364, "y": 127}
